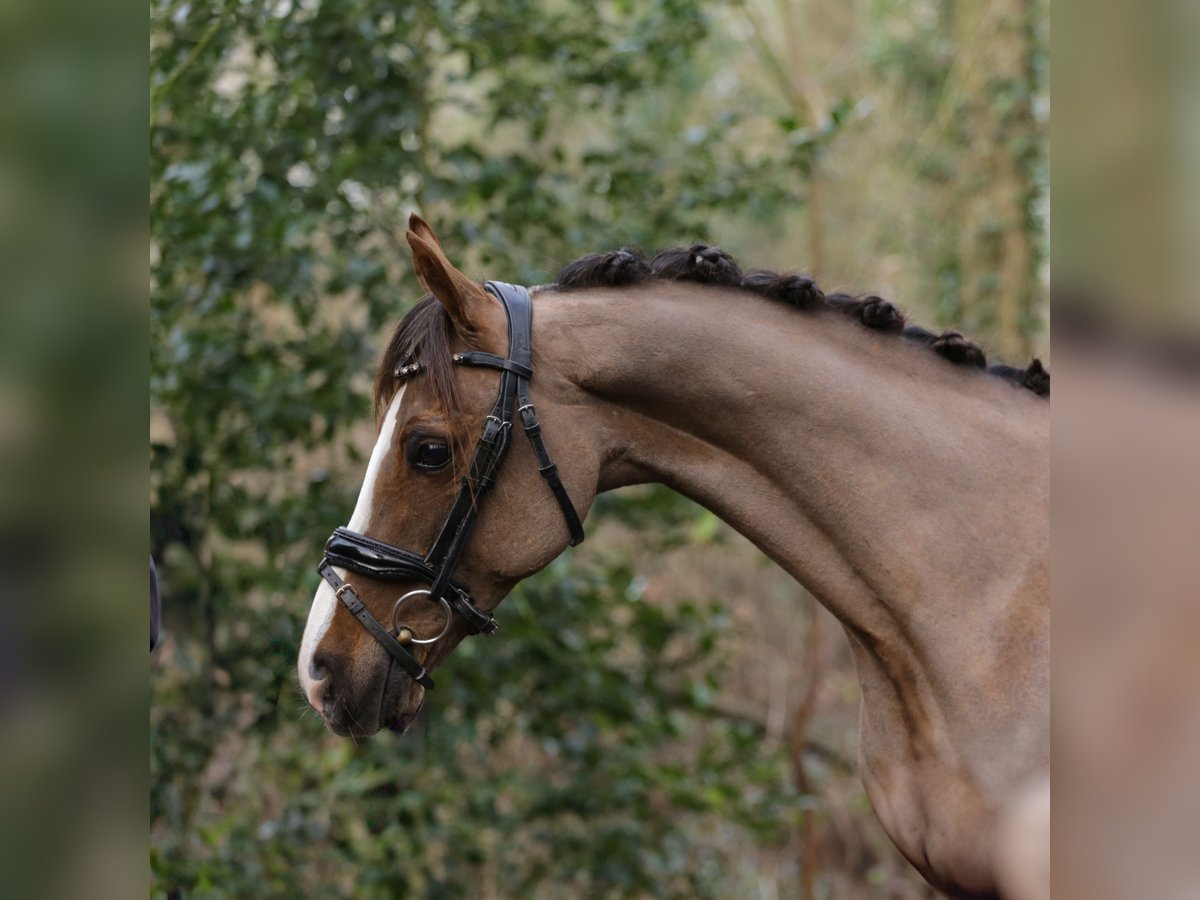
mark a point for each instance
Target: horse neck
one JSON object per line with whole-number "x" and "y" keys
{"x": 892, "y": 484}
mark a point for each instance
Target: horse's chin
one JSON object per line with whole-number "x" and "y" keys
{"x": 354, "y": 731}
{"x": 401, "y": 722}
{"x": 404, "y": 698}
{"x": 398, "y": 722}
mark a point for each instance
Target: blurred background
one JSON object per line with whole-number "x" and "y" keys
{"x": 663, "y": 713}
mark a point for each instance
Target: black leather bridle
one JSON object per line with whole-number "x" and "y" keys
{"x": 367, "y": 556}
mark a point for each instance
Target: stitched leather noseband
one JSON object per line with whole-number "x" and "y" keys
{"x": 358, "y": 553}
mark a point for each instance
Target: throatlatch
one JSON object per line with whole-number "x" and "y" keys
{"x": 366, "y": 556}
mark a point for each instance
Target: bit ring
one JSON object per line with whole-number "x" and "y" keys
{"x": 397, "y": 627}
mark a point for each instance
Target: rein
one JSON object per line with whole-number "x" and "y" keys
{"x": 366, "y": 556}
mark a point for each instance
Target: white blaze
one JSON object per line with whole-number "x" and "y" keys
{"x": 324, "y": 603}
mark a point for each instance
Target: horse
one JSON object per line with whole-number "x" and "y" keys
{"x": 888, "y": 469}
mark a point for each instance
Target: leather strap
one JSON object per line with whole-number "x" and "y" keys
{"x": 516, "y": 298}
{"x": 491, "y": 361}
{"x": 490, "y": 452}
{"x": 359, "y": 610}
{"x": 367, "y": 556}
{"x": 547, "y": 468}
{"x": 375, "y": 559}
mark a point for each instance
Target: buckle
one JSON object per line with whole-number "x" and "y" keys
{"x": 482, "y": 621}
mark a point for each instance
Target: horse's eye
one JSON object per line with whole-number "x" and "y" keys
{"x": 428, "y": 454}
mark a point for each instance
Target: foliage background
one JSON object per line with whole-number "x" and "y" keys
{"x": 664, "y": 714}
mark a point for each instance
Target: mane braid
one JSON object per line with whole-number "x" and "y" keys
{"x": 705, "y": 264}
{"x": 612, "y": 269}
{"x": 1035, "y": 376}
{"x": 872, "y": 311}
{"x": 699, "y": 262}
{"x": 799, "y": 291}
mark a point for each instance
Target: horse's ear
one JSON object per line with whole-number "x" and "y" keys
{"x": 421, "y": 228}
{"x": 477, "y": 315}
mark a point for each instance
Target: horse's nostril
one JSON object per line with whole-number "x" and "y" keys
{"x": 318, "y": 667}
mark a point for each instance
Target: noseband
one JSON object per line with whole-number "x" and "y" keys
{"x": 358, "y": 553}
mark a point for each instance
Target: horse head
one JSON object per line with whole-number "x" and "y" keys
{"x": 455, "y": 507}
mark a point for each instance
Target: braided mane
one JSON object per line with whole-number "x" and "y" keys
{"x": 710, "y": 265}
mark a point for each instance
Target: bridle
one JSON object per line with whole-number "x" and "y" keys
{"x": 367, "y": 556}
